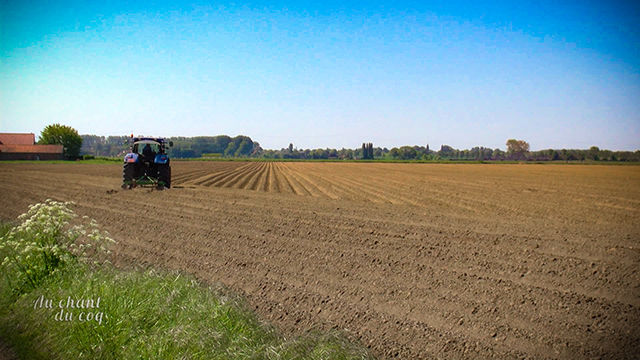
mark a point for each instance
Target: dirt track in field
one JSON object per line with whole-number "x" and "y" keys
{"x": 413, "y": 260}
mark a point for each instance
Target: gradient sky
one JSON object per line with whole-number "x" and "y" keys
{"x": 559, "y": 74}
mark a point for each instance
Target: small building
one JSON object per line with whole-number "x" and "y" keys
{"x": 23, "y": 147}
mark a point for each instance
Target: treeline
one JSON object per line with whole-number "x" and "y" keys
{"x": 487, "y": 154}
{"x": 104, "y": 146}
{"x": 192, "y": 147}
{"x": 293, "y": 153}
{"x": 243, "y": 146}
{"x": 183, "y": 147}
{"x": 447, "y": 152}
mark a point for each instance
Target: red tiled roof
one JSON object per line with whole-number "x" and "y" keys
{"x": 17, "y": 139}
{"x": 32, "y": 149}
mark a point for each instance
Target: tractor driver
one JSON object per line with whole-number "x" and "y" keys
{"x": 148, "y": 152}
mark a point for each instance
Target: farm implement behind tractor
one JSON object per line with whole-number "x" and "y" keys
{"x": 147, "y": 164}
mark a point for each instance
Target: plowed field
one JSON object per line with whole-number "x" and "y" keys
{"x": 413, "y": 260}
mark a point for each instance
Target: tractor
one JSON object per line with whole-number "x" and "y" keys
{"x": 147, "y": 164}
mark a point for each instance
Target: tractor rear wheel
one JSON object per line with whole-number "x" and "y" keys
{"x": 128, "y": 172}
{"x": 164, "y": 175}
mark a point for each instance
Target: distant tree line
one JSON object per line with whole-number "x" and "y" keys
{"x": 104, "y": 146}
{"x": 243, "y": 146}
{"x": 516, "y": 150}
{"x": 520, "y": 153}
{"x": 331, "y": 154}
{"x": 239, "y": 146}
{"x": 183, "y": 147}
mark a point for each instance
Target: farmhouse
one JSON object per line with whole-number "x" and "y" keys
{"x": 23, "y": 147}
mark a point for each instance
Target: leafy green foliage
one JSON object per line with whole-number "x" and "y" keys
{"x": 519, "y": 148}
{"x": 45, "y": 242}
{"x": 244, "y": 148}
{"x": 66, "y": 136}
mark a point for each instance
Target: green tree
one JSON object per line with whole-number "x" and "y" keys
{"x": 487, "y": 154}
{"x": 407, "y": 153}
{"x": 66, "y": 136}
{"x": 244, "y": 149}
{"x": 231, "y": 149}
{"x": 446, "y": 151}
{"x": 519, "y": 148}
{"x": 220, "y": 143}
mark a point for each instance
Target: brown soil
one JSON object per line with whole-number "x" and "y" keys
{"x": 413, "y": 260}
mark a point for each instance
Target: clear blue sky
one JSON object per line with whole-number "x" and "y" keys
{"x": 559, "y": 74}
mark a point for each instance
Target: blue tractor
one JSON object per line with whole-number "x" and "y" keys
{"x": 147, "y": 164}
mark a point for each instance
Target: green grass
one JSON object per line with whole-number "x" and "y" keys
{"x": 152, "y": 315}
{"x": 5, "y": 227}
{"x": 146, "y": 314}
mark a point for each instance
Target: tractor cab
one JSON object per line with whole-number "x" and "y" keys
{"x": 147, "y": 148}
{"x": 157, "y": 145}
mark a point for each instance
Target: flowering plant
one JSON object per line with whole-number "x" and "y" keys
{"x": 45, "y": 241}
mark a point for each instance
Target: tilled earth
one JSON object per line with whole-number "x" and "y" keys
{"x": 411, "y": 260}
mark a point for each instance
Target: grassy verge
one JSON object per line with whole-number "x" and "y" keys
{"x": 82, "y": 309}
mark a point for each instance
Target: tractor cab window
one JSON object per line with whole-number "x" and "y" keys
{"x": 147, "y": 149}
